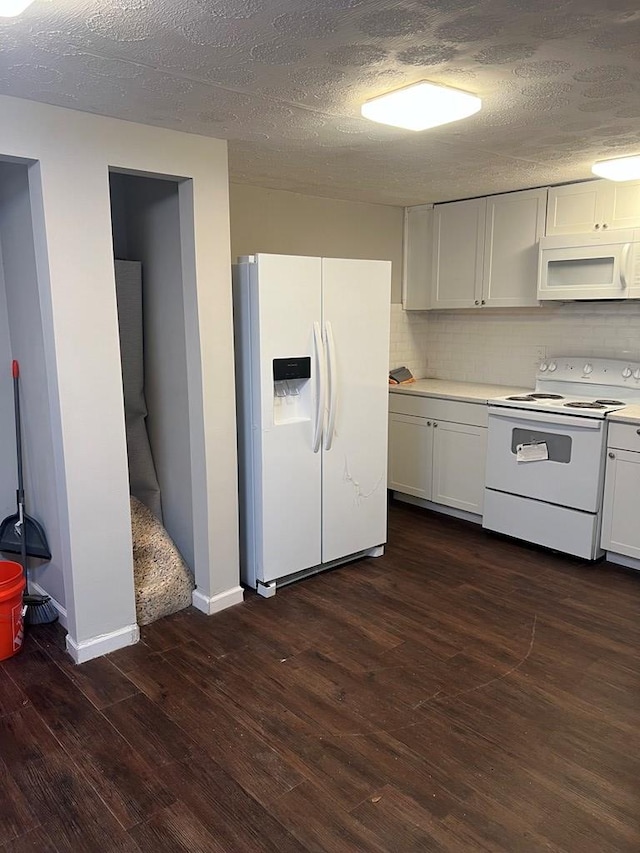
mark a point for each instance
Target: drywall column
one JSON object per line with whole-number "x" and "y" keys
{"x": 74, "y": 152}
{"x": 99, "y": 583}
{"x": 208, "y": 317}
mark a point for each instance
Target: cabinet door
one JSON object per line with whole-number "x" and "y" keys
{"x": 620, "y": 530}
{"x": 576, "y": 208}
{"x": 514, "y": 225}
{"x": 458, "y": 247}
{"x": 624, "y": 210}
{"x": 410, "y": 455}
{"x": 459, "y": 456}
{"x": 416, "y": 274}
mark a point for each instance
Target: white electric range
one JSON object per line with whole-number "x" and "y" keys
{"x": 546, "y": 453}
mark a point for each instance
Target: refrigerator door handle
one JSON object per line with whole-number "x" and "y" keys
{"x": 320, "y": 386}
{"x": 333, "y": 386}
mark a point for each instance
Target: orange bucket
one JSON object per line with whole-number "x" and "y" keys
{"x": 11, "y": 623}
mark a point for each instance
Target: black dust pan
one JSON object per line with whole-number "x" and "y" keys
{"x": 20, "y": 530}
{"x": 11, "y": 536}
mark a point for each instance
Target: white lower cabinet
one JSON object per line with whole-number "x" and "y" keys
{"x": 459, "y": 455}
{"x": 620, "y": 528}
{"x": 437, "y": 450}
{"x": 411, "y": 455}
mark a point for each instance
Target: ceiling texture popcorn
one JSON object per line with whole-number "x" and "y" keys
{"x": 284, "y": 81}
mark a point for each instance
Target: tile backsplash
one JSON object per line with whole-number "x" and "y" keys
{"x": 504, "y": 346}
{"x": 409, "y": 340}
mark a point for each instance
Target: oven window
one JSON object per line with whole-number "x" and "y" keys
{"x": 559, "y": 446}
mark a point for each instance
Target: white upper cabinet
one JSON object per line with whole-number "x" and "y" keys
{"x": 458, "y": 253}
{"x": 593, "y": 206}
{"x": 416, "y": 274}
{"x": 514, "y": 225}
{"x": 624, "y": 209}
{"x": 485, "y": 251}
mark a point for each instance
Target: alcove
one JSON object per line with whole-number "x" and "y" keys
{"x": 23, "y": 290}
{"x": 149, "y": 252}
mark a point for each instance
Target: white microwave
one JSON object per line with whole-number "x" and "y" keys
{"x": 590, "y": 266}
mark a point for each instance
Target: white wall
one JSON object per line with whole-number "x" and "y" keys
{"x": 264, "y": 220}
{"x": 502, "y": 346}
{"x": 73, "y": 152}
{"x": 27, "y": 346}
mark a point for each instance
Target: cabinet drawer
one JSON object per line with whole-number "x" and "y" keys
{"x": 409, "y": 404}
{"x": 624, "y": 436}
{"x": 436, "y": 409}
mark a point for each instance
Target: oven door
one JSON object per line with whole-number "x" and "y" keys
{"x": 572, "y": 474}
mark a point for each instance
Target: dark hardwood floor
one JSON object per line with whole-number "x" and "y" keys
{"x": 461, "y": 693}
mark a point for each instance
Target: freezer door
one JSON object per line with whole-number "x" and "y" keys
{"x": 356, "y": 303}
{"x": 289, "y": 472}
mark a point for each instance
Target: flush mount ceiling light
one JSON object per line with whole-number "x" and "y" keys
{"x": 420, "y": 106}
{"x": 11, "y": 8}
{"x": 619, "y": 169}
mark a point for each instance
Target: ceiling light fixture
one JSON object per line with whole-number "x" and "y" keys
{"x": 421, "y": 105}
{"x": 619, "y": 169}
{"x": 11, "y": 8}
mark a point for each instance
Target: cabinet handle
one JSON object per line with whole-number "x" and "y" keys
{"x": 435, "y": 424}
{"x": 597, "y": 226}
{"x": 482, "y": 302}
{"x": 477, "y": 302}
{"x": 638, "y": 432}
{"x": 604, "y": 225}
{"x": 428, "y": 423}
{"x": 612, "y": 455}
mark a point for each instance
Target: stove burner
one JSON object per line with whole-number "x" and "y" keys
{"x": 547, "y": 396}
{"x": 611, "y": 402}
{"x": 583, "y": 404}
{"x": 528, "y": 397}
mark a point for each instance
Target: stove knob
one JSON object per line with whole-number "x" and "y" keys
{"x": 636, "y": 373}
{"x": 587, "y": 369}
{"x": 552, "y": 366}
{"x": 543, "y": 366}
{"x": 626, "y": 372}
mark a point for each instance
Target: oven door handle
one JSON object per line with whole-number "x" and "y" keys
{"x": 549, "y": 420}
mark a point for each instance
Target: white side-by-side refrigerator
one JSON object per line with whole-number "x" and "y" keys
{"x": 312, "y": 362}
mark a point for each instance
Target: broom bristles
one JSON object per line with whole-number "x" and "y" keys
{"x": 39, "y": 612}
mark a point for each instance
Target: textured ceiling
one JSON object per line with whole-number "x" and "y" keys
{"x": 284, "y": 79}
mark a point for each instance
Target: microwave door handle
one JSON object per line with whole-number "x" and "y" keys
{"x": 624, "y": 265}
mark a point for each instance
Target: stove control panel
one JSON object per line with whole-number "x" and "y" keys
{"x": 590, "y": 371}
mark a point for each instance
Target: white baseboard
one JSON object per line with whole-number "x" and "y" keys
{"x": 210, "y": 604}
{"x": 62, "y": 611}
{"x": 622, "y": 560}
{"x": 102, "y": 644}
{"x": 445, "y": 510}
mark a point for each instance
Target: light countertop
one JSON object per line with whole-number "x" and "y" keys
{"x": 628, "y": 415}
{"x": 467, "y": 392}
